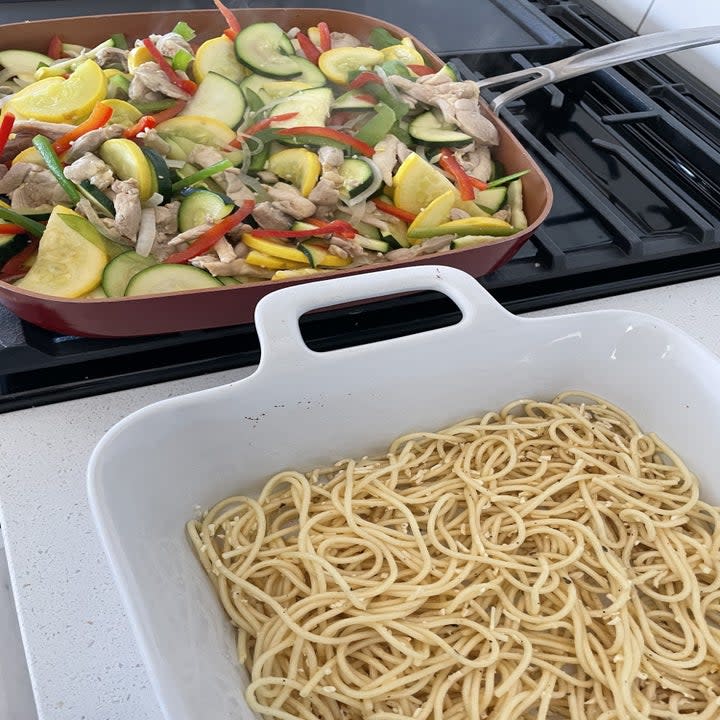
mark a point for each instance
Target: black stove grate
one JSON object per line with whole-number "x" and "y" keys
{"x": 633, "y": 155}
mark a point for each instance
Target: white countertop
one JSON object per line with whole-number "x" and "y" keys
{"x": 83, "y": 660}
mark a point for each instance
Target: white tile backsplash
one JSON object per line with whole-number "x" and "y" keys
{"x": 703, "y": 62}
{"x": 628, "y": 12}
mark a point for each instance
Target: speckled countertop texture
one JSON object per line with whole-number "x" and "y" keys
{"x": 82, "y": 656}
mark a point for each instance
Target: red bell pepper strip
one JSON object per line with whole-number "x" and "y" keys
{"x": 170, "y": 112}
{"x": 367, "y": 98}
{"x": 230, "y": 34}
{"x": 347, "y": 233}
{"x": 449, "y": 163}
{"x": 365, "y": 78}
{"x": 183, "y": 83}
{"x": 6, "y": 126}
{"x": 308, "y": 47}
{"x": 479, "y": 184}
{"x": 324, "y": 32}
{"x": 15, "y": 266}
{"x": 98, "y": 117}
{"x": 203, "y": 243}
{"x": 330, "y": 134}
{"x": 11, "y": 229}
{"x": 55, "y": 50}
{"x": 421, "y": 69}
{"x": 260, "y": 125}
{"x": 144, "y": 123}
{"x": 229, "y": 15}
{"x": 408, "y": 217}
{"x": 267, "y": 122}
{"x": 332, "y": 228}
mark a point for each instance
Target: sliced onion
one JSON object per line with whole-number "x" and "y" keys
{"x": 146, "y": 233}
{"x": 372, "y": 188}
{"x": 154, "y": 200}
{"x": 175, "y": 163}
{"x": 386, "y": 82}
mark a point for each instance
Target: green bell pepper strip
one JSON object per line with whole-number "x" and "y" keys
{"x": 32, "y": 226}
{"x": 201, "y": 175}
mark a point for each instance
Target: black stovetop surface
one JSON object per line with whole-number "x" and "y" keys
{"x": 633, "y": 155}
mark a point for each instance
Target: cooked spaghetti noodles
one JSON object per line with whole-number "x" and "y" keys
{"x": 547, "y": 561}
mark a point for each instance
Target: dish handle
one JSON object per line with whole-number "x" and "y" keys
{"x": 277, "y": 314}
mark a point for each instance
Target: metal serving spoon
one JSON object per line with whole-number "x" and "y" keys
{"x": 636, "y": 48}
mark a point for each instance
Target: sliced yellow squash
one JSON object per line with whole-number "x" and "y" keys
{"x": 28, "y": 155}
{"x": 338, "y": 64}
{"x": 468, "y": 226}
{"x": 68, "y": 265}
{"x": 417, "y": 183}
{"x": 138, "y": 56}
{"x": 127, "y": 161}
{"x": 62, "y": 101}
{"x": 218, "y": 55}
{"x": 275, "y": 249}
{"x": 124, "y": 113}
{"x": 270, "y": 262}
{"x": 404, "y": 54}
{"x": 436, "y": 213}
{"x": 299, "y": 166}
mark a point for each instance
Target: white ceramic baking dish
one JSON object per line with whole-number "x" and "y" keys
{"x": 153, "y": 470}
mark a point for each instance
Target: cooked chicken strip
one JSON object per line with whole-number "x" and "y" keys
{"x": 267, "y": 215}
{"x": 289, "y": 199}
{"x": 92, "y": 140}
{"x": 90, "y": 167}
{"x": 236, "y": 267}
{"x": 149, "y": 79}
{"x": 127, "y": 207}
{"x": 458, "y": 102}
{"x": 112, "y": 56}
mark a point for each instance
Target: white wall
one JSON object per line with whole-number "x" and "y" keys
{"x": 648, "y": 16}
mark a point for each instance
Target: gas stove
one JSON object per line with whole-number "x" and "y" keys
{"x": 633, "y": 155}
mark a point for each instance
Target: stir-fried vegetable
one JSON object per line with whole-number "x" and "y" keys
{"x": 257, "y": 154}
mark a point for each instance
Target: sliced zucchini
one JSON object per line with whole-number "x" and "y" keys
{"x": 309, "y": 73}
{"x": 491, "y": 200}
{"x": 268, "y": 89}
{"x": 357, "y": 176}
{"x": 381, "y": 246}
{"x": 318, "y": 255}
{"x": 101, "y": 202}
{"x": 353, "y": 100}
{"x": 11, "y": 245}
{"x": 202, "y": 206}
{"x": 161, "y": 173}
{"x": 368, "y": 231}
{"x": 217, "y": 98}
{"x": 23, "y": 62}
{"x": 428, "y": 129}
{"x": 168, "y": 278}
{"x": 312, "y": 108}
{"x": 119, "y": 271}
{"x": 396, "y": 237}
{"x": 230, "y": 281}
{"x": 518, "y": 219}
{"x": 266, "y": 49}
